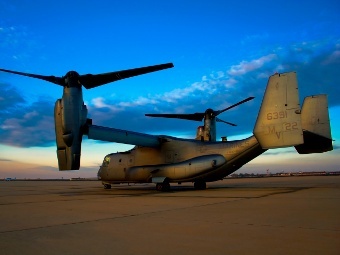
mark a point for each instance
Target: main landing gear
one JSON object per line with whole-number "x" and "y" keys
{"x": 163, "y": 186}
{"x": 200, "y": 185}
{"x": 107, "y": 186}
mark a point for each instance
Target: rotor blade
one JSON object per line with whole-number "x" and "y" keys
{"x": 195, "y": 116}
{"x": 122, "y": 136}
{"x": 56, "y": 80}
{"x": 229, "y": 123}
{"x": 241, "y": 102}
{"x": 90, "y": 81}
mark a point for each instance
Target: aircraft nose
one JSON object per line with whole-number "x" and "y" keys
{"x": 100, "y": 173}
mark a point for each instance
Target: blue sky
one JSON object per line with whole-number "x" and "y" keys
{"x": 223, "y": 52}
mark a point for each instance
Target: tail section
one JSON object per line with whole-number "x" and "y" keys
{"x": 279, "y": 121}
{"x": 316, "y": 126}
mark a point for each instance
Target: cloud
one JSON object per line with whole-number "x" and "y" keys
{"x": 247, "y": 66}
{"x": 3, "y": 159}
{"x": 22, "y": 170}
{"x": 334, "y": 58}
{"x": 18, "y": 42}
{"x": 208, "y": 87}
{"x": 10, "y": 98}
{"x": 23, "y": 124}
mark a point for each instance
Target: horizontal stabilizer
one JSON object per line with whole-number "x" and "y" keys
{"x": 279, "y": 122}
{"x": 314, "y": 143}
{"x": 121, "y": 136}
{"x": 315, "y": 125}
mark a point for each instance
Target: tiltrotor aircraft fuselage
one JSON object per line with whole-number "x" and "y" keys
{"x": 164, "y": 159}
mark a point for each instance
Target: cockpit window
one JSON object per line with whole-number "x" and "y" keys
{"x": 106, "y": 161}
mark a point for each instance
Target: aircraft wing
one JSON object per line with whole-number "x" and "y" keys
{"x": 122, "y": 136}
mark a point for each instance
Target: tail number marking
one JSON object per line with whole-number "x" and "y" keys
{"x": 287, "y": 126}
{"x": 290, "y": 126}
{"x": 276, "y": 115}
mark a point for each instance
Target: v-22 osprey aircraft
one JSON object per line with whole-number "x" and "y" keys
{"x": 162, "y": 159}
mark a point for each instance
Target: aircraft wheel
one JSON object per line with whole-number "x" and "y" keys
{"x": 163, "y": 186}
{"x": 200, "y": 185}
{"x": 166, "y": 186}
{"x": 107, "y": 186}
{"x": 159, "y": 186}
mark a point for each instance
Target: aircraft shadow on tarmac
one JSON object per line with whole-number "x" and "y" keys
{"x": 234, "y": 190}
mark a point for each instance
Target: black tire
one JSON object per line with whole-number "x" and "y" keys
{"x": 159, "y": 186}
{"x": 164, "y": 186}
{"x": 107, "y": 186}
{"x": 200, "y": 185}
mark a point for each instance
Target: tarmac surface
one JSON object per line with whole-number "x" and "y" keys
{"x": 277, "y": 215}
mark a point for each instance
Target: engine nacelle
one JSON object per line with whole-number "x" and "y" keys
{"x": 70, "y": 116}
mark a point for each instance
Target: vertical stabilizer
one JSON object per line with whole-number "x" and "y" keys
{"x": 314, "y": 116}
{"x": 279, "y": 121}
{"x": 316, "y": 125}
